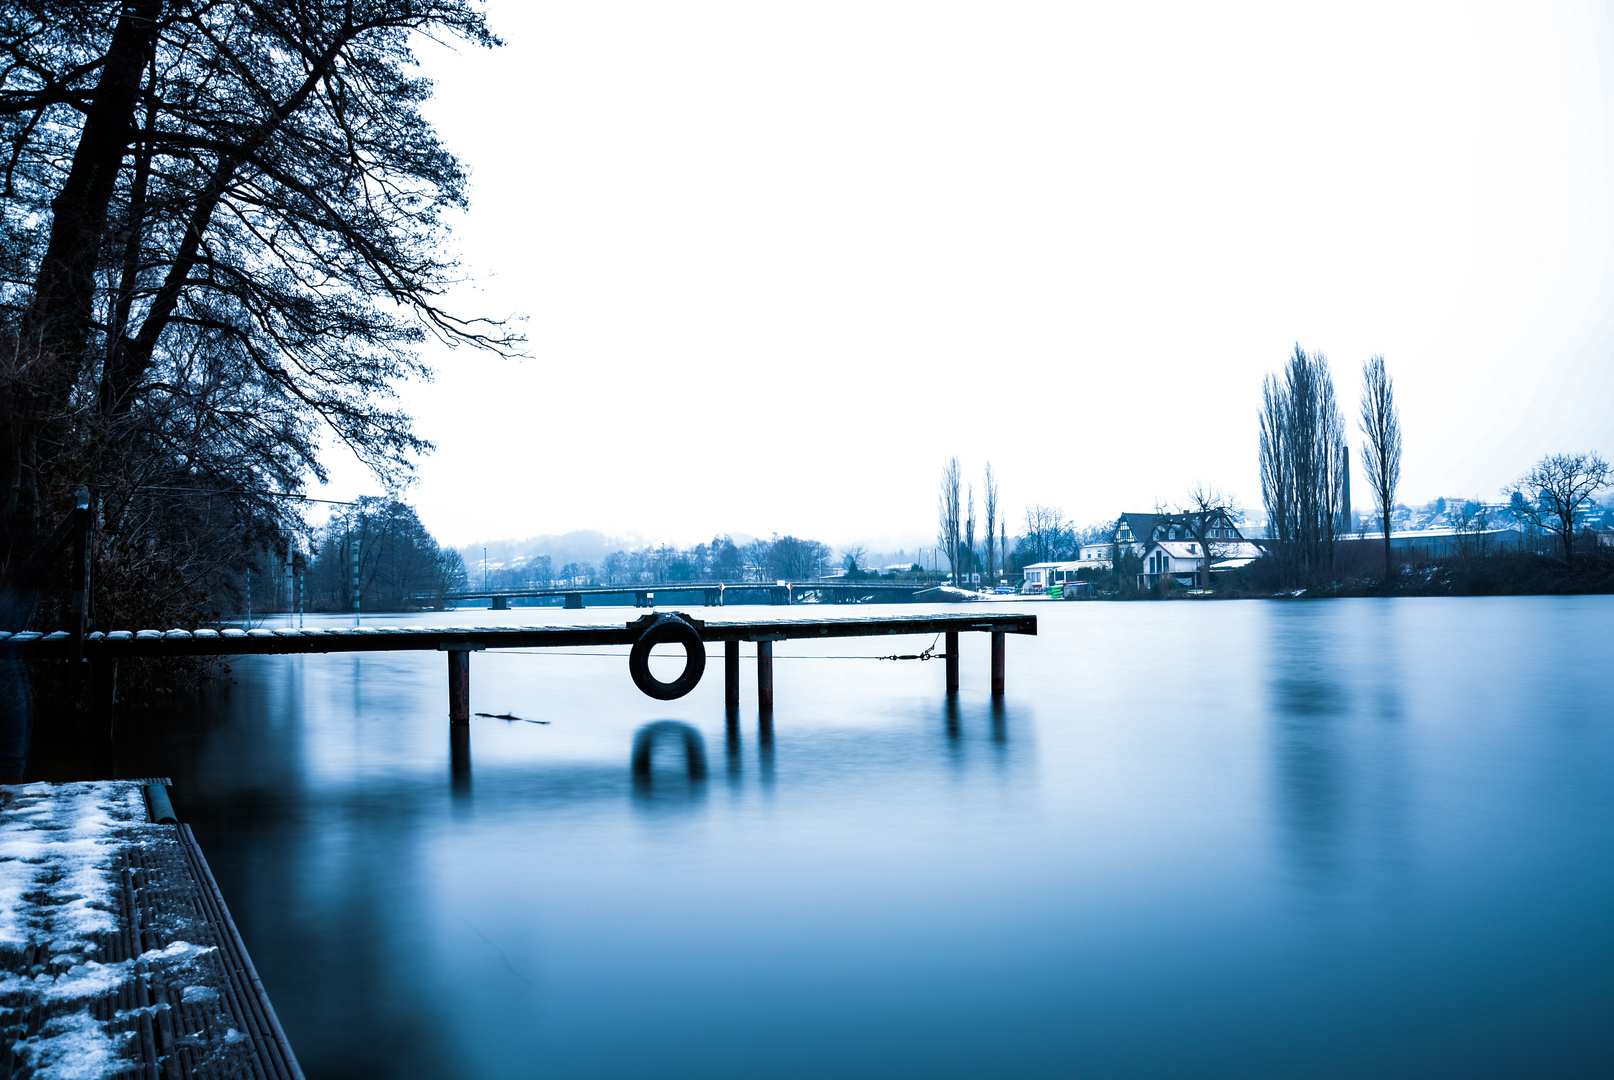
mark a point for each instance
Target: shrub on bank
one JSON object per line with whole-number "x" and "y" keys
{"x": 1503, "y": 573}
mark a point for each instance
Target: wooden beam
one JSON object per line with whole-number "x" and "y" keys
{"x": 765, "y": 676}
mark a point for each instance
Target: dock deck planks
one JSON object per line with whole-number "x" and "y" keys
{"x": 117, "y": 644}
{"x": 172, "y": 991}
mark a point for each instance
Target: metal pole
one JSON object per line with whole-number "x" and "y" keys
{"x": 952, "y": 662}
{"x": 81, "y": 569}
{"x": 355, "y": 579}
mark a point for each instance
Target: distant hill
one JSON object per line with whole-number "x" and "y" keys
{"x": 580, "y": 546}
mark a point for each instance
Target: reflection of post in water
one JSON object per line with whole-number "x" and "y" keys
{"x": 765, "y": 745}
{"x": 459, "y": 759}
{"x": 955, "y": 727}
{"x": 1311, "y": 767}
{"x": 1000, "y": 722}
{"x": 731, "y": 741}
{"x": 644, "y": 749}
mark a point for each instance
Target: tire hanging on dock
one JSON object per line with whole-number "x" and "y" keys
{"x": 668, "y": 630}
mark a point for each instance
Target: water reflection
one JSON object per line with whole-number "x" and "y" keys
{"x": 765, "y": 748}
{"x": 1089, "y": 858}
{"x": 1310, "y": 762}
{"x": 1344, "y": 805}
{"x": 459, "y": 760}
{"x": 731, "y": 743}
{"x": 683, "y": 788}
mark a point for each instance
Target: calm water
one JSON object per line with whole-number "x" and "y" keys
{"x": 1344, "y": 838}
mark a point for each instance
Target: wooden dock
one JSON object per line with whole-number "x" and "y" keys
{"x": 121, "y": 643}
{"x": 119, "y": 957}
{"x": 103, "y": 650}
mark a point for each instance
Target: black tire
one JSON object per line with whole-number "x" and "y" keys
{"x": 668, "y": 630}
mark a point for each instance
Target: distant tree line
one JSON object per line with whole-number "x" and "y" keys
{"x": 774, "y": 559}
{"x": 397, "y": 560}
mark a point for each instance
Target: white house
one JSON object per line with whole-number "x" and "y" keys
{"x": 1040, "y": 577}
{"x": 1183, "y": 559}
{"x": 1179, "y": 559}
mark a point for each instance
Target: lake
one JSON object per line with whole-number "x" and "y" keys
{"x": 1242, "y": 839}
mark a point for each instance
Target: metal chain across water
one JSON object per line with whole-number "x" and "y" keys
{"x": 928, "y": 654}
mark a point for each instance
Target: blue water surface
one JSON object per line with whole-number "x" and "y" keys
{"x": 1244, "y": 839}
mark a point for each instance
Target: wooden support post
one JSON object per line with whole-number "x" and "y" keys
{"x": 731, "y": 673}
{"x": 952, "y": 661}
{"x": 459, "y": 686}
{"x": 999, "y": 649}
{"x": 765, "y": 676}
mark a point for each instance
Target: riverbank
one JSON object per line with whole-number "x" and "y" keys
{"x": 1507, "y": 573}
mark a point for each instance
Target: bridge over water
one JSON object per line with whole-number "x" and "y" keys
{"x": 711, "y": 593}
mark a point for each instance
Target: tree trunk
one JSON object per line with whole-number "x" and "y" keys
{"x": 57, "y": 324}
{"x": 1387, "y": 565}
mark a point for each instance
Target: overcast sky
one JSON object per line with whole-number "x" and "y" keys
{"x": 778, "y": 262}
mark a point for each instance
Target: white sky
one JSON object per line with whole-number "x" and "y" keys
{"x": 779, "y": 262}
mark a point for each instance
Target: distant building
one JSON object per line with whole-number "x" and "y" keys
{"x": 1435, "y": 543}
{"x": 1140, "y": 530}
{"x": 1183, "y": 560}
{"x": 1040, "y": 577}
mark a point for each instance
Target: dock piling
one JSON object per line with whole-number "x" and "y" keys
{"x": 731, "y": 673}
{"x": 999, "y": 661}
{"x": 459, "y": 681}
{"x": 765, "y": 676}
{"x": 952, "y": 661}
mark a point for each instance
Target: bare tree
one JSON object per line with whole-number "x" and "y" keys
{"x": 951, "y": 512}
{"x": 791, "y": 558}
{"x": 1045, "y": 528}
{"x": 1381, "y": 452}
{"x": 854, "y": 559}
{"x": 1563, "y": 484}
{"x": 1304, "y": 463}
{"x": 1208, "y": 517}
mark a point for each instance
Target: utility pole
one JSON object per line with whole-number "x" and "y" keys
{"x": 355, "y": 580}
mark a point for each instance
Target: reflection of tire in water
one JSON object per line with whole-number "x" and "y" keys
{"x": 644, "y": 745}
{"x": 668, "y": 630}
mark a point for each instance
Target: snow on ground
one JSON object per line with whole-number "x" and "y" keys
{"x": 60, "y": 846}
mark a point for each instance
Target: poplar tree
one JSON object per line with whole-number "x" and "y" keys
{"x": 1381, "y": 449}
